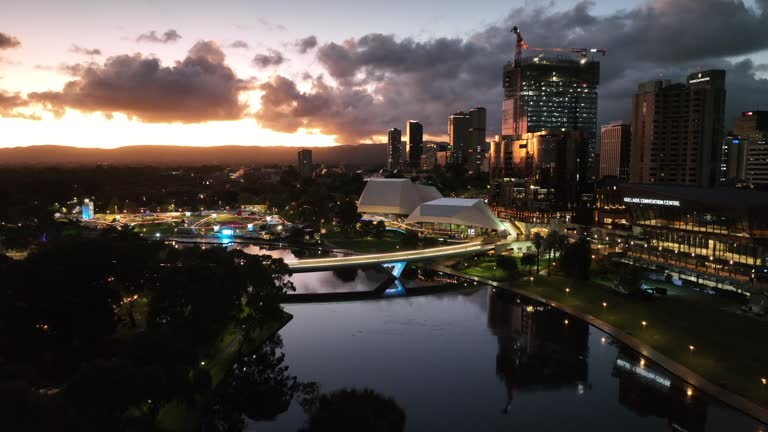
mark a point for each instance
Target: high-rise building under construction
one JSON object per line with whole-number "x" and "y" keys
{"x": 551, "y": 94}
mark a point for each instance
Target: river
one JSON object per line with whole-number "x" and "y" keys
{"x": 471, "y": 360}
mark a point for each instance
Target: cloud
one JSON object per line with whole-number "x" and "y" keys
{"x": 80, "y": 50}
{"x": 239, "y": 44}
{"x": 200, "y": 88}
{"x": 306, "y": 44}
{"x": 271, "y": 58}
{"x": 269, "y": 25}
{"x": 8, "y": 41}
{"x": 10, "y": 104}
{"x": 396, "y": 79}
{"x": 169, "y": 36}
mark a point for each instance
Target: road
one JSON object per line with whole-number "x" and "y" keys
{"x": 319, "y": 264}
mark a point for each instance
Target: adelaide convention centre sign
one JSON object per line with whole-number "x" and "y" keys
{"x": 651, "y": 201}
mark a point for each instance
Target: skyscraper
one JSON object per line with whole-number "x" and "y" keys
{"x": 677, "y": 130}
{"x": 477, "y": 145}
{"x": 305, "y": 163}
{"x": 553, "y": 94}
{"x": 394, "y": 149}
{"x": 458, "y": 136}
{"x": 615, "y": 142}
{"x": 752, "y": 129}
{"x": 414, "y": 131}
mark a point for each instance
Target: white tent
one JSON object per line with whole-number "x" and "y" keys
{"x": 456, "y": 211}
{"x": 394, "y": 196}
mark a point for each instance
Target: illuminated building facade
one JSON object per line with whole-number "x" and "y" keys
{"x": 394, "y": 148}
{"x": 555, "y": 94}
{"x": 540, "y": 171}
{"x": 677, "y": 130}
{"x": 752, "y": 130}
{"x": 476, "y": 152}
{"x": 615, "y": 142}
{"x": 720, "y": 234}
{"x": 87, "y": 209}
{"x": 459, "y": 124}
{"x": 414, "y": 132}
{"x": 305, "y": 163}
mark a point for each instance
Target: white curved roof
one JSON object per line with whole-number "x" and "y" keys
{"x": 394, "y": 196}
{"x": 457, "y": 211}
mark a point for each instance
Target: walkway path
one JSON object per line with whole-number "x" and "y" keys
{"x": 696, "y": 380}
{"x": 318, "y": 264}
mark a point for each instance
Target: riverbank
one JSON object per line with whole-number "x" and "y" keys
{"x": 180, "y": 417}
{"x": 727, "y": 348}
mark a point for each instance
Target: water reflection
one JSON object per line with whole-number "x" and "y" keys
{"x": 648, "y": 390}
{"x": 260, "y": 387}
{"x": 477, "y": 360}
{"x": 538, "y": 349}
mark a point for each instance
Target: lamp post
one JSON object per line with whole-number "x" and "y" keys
{"x": 691, "y": 348}
{"x": 605, "y": 305}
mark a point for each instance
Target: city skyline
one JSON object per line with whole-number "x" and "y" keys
{"x": 268, "y": 78}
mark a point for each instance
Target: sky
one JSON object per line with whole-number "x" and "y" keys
{"x": 102, "y": 73}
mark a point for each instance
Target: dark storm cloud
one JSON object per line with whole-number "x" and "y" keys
{"x": 8, "y": 41}
{"x": 170, "y": 35}
{"x": 10, "y": 104}
{"x": 306, "y": 44}
{"x": 80, "y": 50}
{"x": 398, "y": 79}
{"x": 271, "y": 58}
{"x": 198, "y": 89}
{"x": 239, "y": 44}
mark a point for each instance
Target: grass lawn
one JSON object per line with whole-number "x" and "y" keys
{"x": 730, "y": 349}
{"x": 483, "y": 267}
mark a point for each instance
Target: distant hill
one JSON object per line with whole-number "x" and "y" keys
{"x": 362, "y": 155}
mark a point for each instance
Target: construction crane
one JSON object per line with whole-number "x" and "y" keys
{"x": 581, "y": 52}
{"x": 520, "y": 45}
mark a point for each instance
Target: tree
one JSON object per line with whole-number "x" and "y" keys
{"x": 630, "y": 278}
{"x": 410, "y": 239}
{"x": 379, "y": 230}
{"x": 355, "y": 410}
{"x": 576, "y": 259}
{"x": 538, "y": 244}
{"x": 528, "y": 260}
{"x": 507, "y": 263}
{"x": 347, "y": 215}
{"x": 554, "y": 242}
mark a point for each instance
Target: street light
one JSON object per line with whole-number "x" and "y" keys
{"x": 567, "y": 290}
{"x": 566, "y": 322}
{"x": 691, "y": 348}
{"x": 604, "y": 306}
{"x": 644, "y": 324}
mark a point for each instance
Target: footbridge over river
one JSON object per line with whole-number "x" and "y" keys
{"x": 320, "y": 264}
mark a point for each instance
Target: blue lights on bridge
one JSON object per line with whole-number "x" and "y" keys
{"x": 396, "y": 291}
{"x": 396, "y": 268}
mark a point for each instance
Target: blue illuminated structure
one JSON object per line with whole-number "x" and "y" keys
{"x": 396, "y": 291}
{"x": 228, "y": 232}
{"x": 87, "y": 209}
{"x": 396, "y": 268}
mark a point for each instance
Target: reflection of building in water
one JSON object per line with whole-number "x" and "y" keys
{"x": 650, "y": 391}
{"x": 538, "y": 350}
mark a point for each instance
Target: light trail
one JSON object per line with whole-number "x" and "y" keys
{"x": 316, "y": 264}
